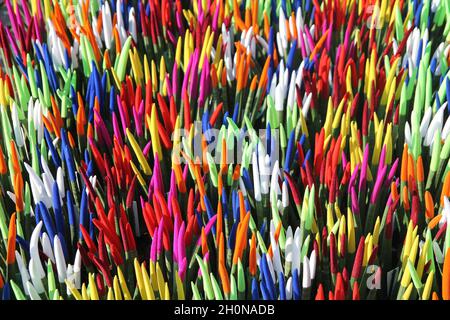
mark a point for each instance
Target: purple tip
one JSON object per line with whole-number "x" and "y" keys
{"x": 215, "y": 18}
{"x": 309, "y": 38}
{"x": 173, "y": 184}
{"x": 169, "y": 86}
{"x": 382, "y": 161}
{"x": 158, "y": 175}
{"x": 186, "y": 75}
{"x": 363, "y": 176}
{"x": 181, "y": 245}
{"x": 344, "y": 160}
{"x": 180, "y": 23}
{"x": 175, "y": 238}
{"x": 185, "y": 172}
{"x": 208, "y": 227}
{"x": 329, "y": 36}
{"x": 194, "y": 75}
{"x": 159, "y": 237}
{"x": 378, "y": 184}
{"x": 182, "y": 268}
{"x": 352, "y": 180}
{"x": 137, "y": 123}
{"x": 393, "y": 170}
{"x": 153, "y": 247}
{"x": 146, "y": 149}
{"x": 175, "y": 78}
{"x": 122, "y": 114}
{"x": 355, "y": 204}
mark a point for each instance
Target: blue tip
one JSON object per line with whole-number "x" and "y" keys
{"x": 419, "y": 52}
{"x": 48, "y": 222}
{"x": 87, "y": 158}
{"x": 67, "y": 58}
{"x": 438, "y": 103}
{"x": 199, "y": 218}
{"x": 232, "y": 237}
{"x": 84, "y": 218}
{"x": 308, "y": 5}
{"x": 417, "y": 14}
{"x": 307, "y": 156}
{"x": 271, "y": 40}
{"x": 283, "y": 7}
{"x": 262, "y": 230}
{"x": 37, "y": 78}
{"x": 295, "y": 285}
{"x": 70, "y": 208}
{"x": 269, "y": 76}
{"x": 55, "y": 156}
{"x": 255, "y": 293}
{"x": 103, "y": 91}
{"x": 264, "y": 291}
{"x": 267, "y": 276}
{"x": 235, "y": 112}
{"x": 302, "y": 139}
{"x": 289, "y": 149}
{"x": 6, "y": 294}
{"x": 73, "y": 97}
{"x": 63, "y": 245}
{"x": 57, "y": 209}
{"x": 209, "y": 209}
{"x": 90, "y": 169}
{"x": 37, "y": 214}
{"x": 70, "y": 164}
{"x": 290, "y": 60}
{"x": 235, "y": 205}
{"x": 111, "y": 99}
{"x": 48, "y": 63}
{"x": 225, "y": 117}
{"x": 37, "y": 50}
{"x": 97, "y": 83}
{"x": 23, "y": 243}
{"x": 224, "y": 203}
{"x": 433, "y": 65}
{"x": 247, "y": 205}
{"x": 21, "y": 66}
{"x": 282, "y": 286}
{"x": 246, "y": 179}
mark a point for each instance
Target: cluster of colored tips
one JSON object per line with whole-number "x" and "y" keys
{"x": 314, "y": 161}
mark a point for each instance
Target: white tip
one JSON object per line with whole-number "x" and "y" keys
{"x": 60, "y": 182}
{"x": 47, "y": 247}
{"x": 35, "y": 277}
{"x": 60, "y": 261}
{"x": 289, "y": 288}
{"x": 289, "y": 245}
{"x": 34, "y": 251}
{"x": 24, "y": 275}
{"x": 312, "y": 264}
{"x": 32, "y": 291}
{"x": 306, "y": 283}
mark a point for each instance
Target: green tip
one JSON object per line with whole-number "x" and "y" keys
{"x": 217, "y": 292}
{"x": 233, "y": 288}
{"x": 123, "y": 59}
{"x": 241, "y": 277}
{"x": 17, "y": 292}
{"x": 415, "y": 277}
{"x": 436, "y": 151}
{"x": 206, "y": 280}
